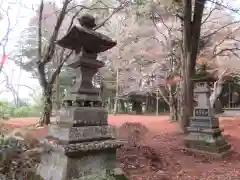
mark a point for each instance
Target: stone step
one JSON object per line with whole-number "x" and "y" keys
{"x": 205, "y": 130}
{"x": 205, "y": 122}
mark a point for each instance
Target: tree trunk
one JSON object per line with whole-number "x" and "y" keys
{"x": 115, "y": 110}
{"x": 183, "y": 121}
{"x": 47, "y": 107}
{"x": 191, "y": 34}
{"x": 117, "y": 94}
{"x": 157, "y": 106}
{"x": 172, "y": 103}
{"x": 173, "y": 107}
{"x": 147, "y": 104}
{"x": 173, "y": 112}
{"x": 58, "y": 100}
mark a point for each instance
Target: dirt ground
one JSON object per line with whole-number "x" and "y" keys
{"x": 157, "y": 151}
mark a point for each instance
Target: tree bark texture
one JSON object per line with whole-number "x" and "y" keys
{"x": 47, "y": 106}
{"x": 191, "y": 34}
{"x": 115, "y": 111}
{"x": 45, "y": 57}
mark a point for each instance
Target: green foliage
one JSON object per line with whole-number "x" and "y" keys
{"x": 8, "y": 110}
{"x": 21, "y": 111}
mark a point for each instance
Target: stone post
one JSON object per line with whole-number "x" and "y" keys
{"x": 83, "y": 145}
{"x": 204, "y": 132}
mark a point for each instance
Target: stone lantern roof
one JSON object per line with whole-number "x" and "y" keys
{"x": 86, "y": 38}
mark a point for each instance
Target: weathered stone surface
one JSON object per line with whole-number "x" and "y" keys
{"x": 82, "y": 97}
{"x": 86, "y": 66}
{"x": 78, "y": 134}
{"x": 87, "y": 60}
{"x": 87, "y": 39}
{"x": 215, "y": 131}
{"x": 204, "y": 122}
{"x": 211, "y": 141}
{"x": 207, "y": 147}
{"x": 83, "y": 147}
{"x": 82, "y": 116}
{"x": 57, "y": 166}
{"x": 204, "y": 132}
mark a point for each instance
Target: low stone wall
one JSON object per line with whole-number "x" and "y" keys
{"x": 231, "y": 112}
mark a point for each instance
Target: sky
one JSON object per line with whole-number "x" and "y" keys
{"x": 28, "y": 8}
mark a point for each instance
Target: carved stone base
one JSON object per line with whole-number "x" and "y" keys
{"x": 82, "y": 147}
{"x": 206, "y": 140}
{"x": 94, "y": 166}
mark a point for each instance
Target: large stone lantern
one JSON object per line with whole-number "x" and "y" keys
{"x": 83, "y": 144}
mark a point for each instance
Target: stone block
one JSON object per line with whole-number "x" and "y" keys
{"x": 79, "y": 149}
{"x": 202, "y": 147}
{"x": 80, "y": 134}
{"x": 214, "y": 131}
{"x": 83, "y": 97}
{"x": 94, "y": 166}
{"x": 204, "y": 122}
{"x": 82, "y": 116}
{"x": 213, "y": 143}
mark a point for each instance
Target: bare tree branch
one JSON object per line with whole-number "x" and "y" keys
{"x": 227, "y": 37}
{"x": 155, "y": 24}
{"x": 5, "y": 38}
{"x": 209, "y": 15}
{"x": 52, "y": 42}
{"x": 216, "y": 31}
{"x": 58, "y": 69}
{"x": 225, "y": 50}
{"x": 10, "y": 87}
{"x": 62, "y": 58}
{"x": 120, "y": 7}
{"x": 237, "y": 11}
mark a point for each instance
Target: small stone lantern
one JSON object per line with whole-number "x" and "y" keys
{"x": 83, "y": 145}
{"x": 204, "y": 132}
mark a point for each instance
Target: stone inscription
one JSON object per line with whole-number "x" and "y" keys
{"x": 201, "y": 112}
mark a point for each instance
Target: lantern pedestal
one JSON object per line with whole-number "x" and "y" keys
{"x": 204, "y": 132}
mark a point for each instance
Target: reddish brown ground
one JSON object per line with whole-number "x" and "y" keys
{"x": 164, "y": 145}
